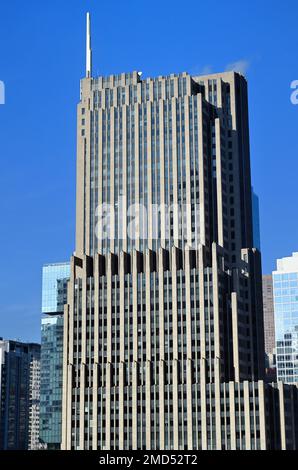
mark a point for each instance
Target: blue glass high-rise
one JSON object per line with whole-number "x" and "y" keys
{"x": 54, "y": 296}
{"x": 54, "y": 287}
{"x": 285, "y": 287}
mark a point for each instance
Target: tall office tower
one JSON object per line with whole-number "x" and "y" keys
{"x": 285, "y": 289}
{"x": 54, "y": 296}
{"x": 256, "y": 220}
{"x": 19, "y": 395}
{"x": 163, "y": 332}
{"x": 268, "y": 304}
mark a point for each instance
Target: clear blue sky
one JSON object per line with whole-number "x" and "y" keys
{"x": 41, "y": 62}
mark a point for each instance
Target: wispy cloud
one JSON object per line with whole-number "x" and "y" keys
{"x": 198, "y": 70}
{"x": 240, "y": 66}
{"x": 206, "y": 70}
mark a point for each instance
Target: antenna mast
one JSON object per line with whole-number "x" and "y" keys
{"x": 88, "y": 48}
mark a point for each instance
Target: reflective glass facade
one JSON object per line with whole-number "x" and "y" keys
{"x": 51, "y": 380}
{"x": 54, "y": 287}
{"x": 285, "y": 285}
{"x": 54, "y": 296}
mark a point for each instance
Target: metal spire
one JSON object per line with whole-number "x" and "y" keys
{"x": 88, "y": 49}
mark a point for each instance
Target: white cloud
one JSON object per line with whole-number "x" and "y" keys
{"x": 240, "y": 66}
{"x": 198, "y": 70}
{"x": 206, "y": 70}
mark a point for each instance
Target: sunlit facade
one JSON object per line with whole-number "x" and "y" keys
{"x": 163, "y": 328}
{"x": 163, "y": 340}
{"x": 285, "y": 285}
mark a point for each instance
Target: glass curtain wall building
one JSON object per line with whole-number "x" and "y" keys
{"x": 54, "y": 287}
{"x": 285, "y": 288}
{"x": 54, "y": 294}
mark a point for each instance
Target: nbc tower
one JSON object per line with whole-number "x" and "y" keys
{"x": 163, "y": 330}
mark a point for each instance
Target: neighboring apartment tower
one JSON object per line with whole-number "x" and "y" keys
{"x": 34, "y": 399}
{"x": 163, "y": 332}
{"x": 54, "y": 295}
{"x": 19, "y": 395}
{"x": 268, "y": 304}
{"x": 285, "y": 288}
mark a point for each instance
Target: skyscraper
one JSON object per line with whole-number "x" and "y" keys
{"x": 19, "y": 395}
{"x": 268, "y": 313}
{"x": 163, "y": 332}
{"x": 54, "y": 295}
{"x": 285, "y": 288}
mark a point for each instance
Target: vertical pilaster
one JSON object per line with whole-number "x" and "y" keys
{"x": 188, "y": 254}
{"x": 246, "y": 397}
{"x": 161, "y": 269}
{"x": 148, "y": 265}
{"x": 280, "y": 387}
{"x": 232, "y": 415}
{"x": 135, "y": 351}
{"x": 262, "y": 414}
{"x": 175, "y": 363}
